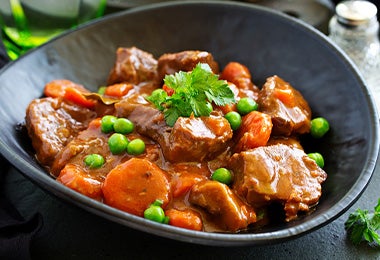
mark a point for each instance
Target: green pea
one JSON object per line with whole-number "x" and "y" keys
{"x": 246, "y": 105}
{"x": 318, "y": 158}
{"x": 234, "y": 119}
{"x": 123, "y": 126}
{"x": 222, "y": 175}
{"x": 107, "y": 123}
{"x": 94, "y": 161}
{"x": 156, "y": 213}
{"x": 319, "y": 127}
{"x": 117, "y": 143}
{"x": 102, "y": 90}
{"x": 136, "y": 147}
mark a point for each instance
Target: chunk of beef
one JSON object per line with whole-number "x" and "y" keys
{"x": 190, "y": 139}
{"x": 278, "y": 173}
{"x": 93, "y": 141}
{"x": 88, "y": 141}
{"x": 289, "y": 141}
{"x": 218, "y": 199}
{"x": 133, "y": 66}
{"x": 198, "y": 138}
{"x": 52, "y": 123}
{"x": 240, "y": 75}
{"x": 148, "y": 120}
{"x": 288, "y": 109}
{"x": 184, "y": 61}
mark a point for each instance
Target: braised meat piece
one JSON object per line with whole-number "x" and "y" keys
{"x": 134, "y": 66}
{"x": 218, "y": 199}
{"x": 198, "y": 138}
{"x": 289, "y": 141}
{"x": 184, "y": 61}
{"x": 193, "y": 139}
{"x": 148, "y": 120}
{"x": 288, "y": 109}
{"x": 278, "y": 173}
{"x": 93, "y": 141}
{"x": 52, "y": 123}
{"x": 88, "y": 141}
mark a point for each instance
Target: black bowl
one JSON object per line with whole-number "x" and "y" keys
{"x": 267, "y": 42}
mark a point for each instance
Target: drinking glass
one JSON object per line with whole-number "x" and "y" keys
{"x": 26, "y": 24}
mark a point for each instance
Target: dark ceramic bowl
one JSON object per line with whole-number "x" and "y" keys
{"x": 267, "y": 42}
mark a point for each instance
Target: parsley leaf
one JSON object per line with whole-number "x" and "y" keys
{"x": 158, "y": 97}
{"x": 193, "y": 93}
{"x": 363, "y": 226}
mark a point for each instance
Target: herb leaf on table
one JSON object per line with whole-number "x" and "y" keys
{"x": 363, "y": 225}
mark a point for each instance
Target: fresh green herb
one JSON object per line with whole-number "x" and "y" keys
{"x": 193, "y": 93}
{"x": 363, "y": 226}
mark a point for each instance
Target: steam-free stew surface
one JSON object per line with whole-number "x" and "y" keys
{"x": 175, "y": 166}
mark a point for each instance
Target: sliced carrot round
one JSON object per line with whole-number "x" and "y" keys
{"x": 74, "y": 177}
{"x": 118, "y": 90}
{"x": 183, "y": 183}
{"x": 57, "y": 88}
{"x": 188, "y": 219}
{"x": 254, "y": 131}
{"x": 135, "y": 184}
{"x": 238, "y": 74}
{"x": 76, "y": 96}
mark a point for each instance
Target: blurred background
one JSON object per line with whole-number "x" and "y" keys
{"x": 26, "y": 24}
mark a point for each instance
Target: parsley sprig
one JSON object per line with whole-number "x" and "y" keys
{"x": 363, "y": 226}
{"x": 193, "y": 94}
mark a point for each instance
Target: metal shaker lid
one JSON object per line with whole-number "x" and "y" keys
{"x": 356, "y": 12}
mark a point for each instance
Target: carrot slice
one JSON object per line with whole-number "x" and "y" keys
{"x": 70, "y": 91}
{"x": 74, "y": 177}
{"x": 118, "y": 90}
{"x": 95, "y": 124}
{"x": 184, "y": 182}
{"x": 254, "y": 131}
{"x": 57, "y": 88}
{"x": 135, "y": 184}
{"x": 188, "y": 219}
{"x": 74, "y": 95}
{"x": 238, "y": 74}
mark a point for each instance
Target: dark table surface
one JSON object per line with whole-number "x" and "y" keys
{"x": 58, "y": 230}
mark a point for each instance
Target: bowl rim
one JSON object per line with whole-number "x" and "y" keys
{"x": 38, "y": 176}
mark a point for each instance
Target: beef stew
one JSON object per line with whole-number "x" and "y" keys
{"x": 175, "y": 168}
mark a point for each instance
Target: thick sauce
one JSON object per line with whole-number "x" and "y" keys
{"x": 266, "y": 160}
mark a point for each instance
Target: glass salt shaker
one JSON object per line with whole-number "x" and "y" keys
{"x": 355, "y": 29}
